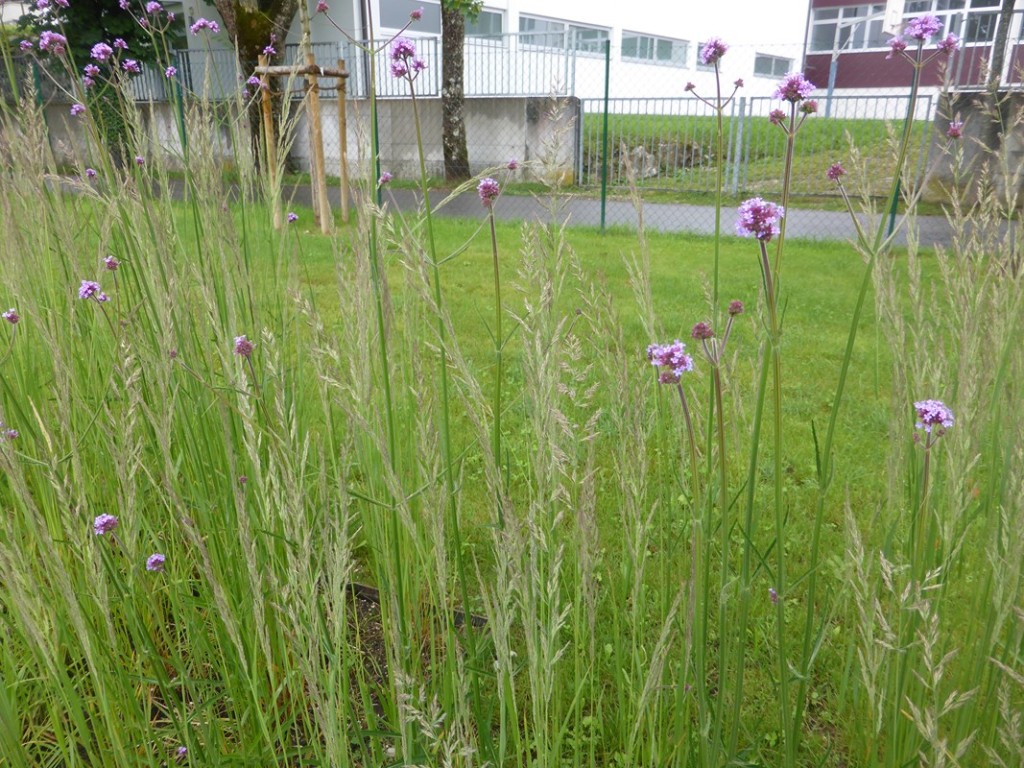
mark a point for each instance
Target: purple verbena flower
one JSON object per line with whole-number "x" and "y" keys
{"x": 170, "y": 72}
{"x": 11, "y": 434}
{"x": 153, "y": 7}
{"x": 512, "y": 164}
{"x": 671, "y": 359}
{"x": 402, "y": 48}
{"x": 713, "y": 50}
{"x": 292, "y": 217}
{"x": 77, "y": 109}
{"x": 180, "y": 753}
{"x": 322, "y": 7}
{"x": 102, "y": 298}
{"x": 111, "y": 263}
{"x": 777, "y": 117}
{"x": 88, "y": 82}
{"x": 689, "y": 86}
{"x": 90, "y": 173}
{"x": 91, "y": 70}
{"x": 204, "y": 24}
{"x": 760, "y": 219}
{"x": 99, "y": 52}
{"x": 735, "y": 308}
{"x": 131, "y": 66}
{"x": 835, "y": 172}
{"x": 933, "y": 413}
{"x": 488, "y": 189}
{"x": 88, "y": 289}
{"x": 104, "y": 524}
{"x": 254, "y": 82}
{"x": 737, "y": 83}
{"x": 924, "y": 27}
{"x": 418, "y": 65}
{"x": 53, "y": 42}
{"x": 794, "y": 87}
{"x": 270, "y": 51}
{"x": 702, "y": 331}
{"x": 809, "y": 107}
{"x": 62, "y": 3}
{"x": 384, "y": 178}
{"x": 399, "y": 69}
{"x": 955, "y": 130}
{"x": 949, "y": 44}
{"x": 243, "y": 347}
{"x": 42, "y": 4}
{"x": 25, "y": 45}
{"x": 140, "y": 160}
{"x": 416, "y": 15}
{"x": 773, "y": 595}
{"x": 155, "y": 562}
{"x": 120, "y": 44}
{"x": 11, "y": 316}
{"x": 896, "y": 45}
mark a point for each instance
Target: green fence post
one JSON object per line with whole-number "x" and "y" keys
{"x": 604, "y": 138}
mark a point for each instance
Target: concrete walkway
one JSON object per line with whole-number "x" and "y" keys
{"x": 659, "y": 217}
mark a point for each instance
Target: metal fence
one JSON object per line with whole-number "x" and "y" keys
{"x": 665, "y": 147}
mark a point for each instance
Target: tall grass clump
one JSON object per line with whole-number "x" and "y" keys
{"x": 258, "y": 511}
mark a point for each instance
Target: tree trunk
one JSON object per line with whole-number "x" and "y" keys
{"x": 453, "y": 97}
{"x": 999, "y": 45}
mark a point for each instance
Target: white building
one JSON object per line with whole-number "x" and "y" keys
{"x": 520, "y": 47}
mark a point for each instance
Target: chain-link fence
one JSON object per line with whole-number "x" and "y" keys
{"x": 579, "y": 117}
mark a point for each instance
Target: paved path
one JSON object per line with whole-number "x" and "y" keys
{"x": 661, "y": 217}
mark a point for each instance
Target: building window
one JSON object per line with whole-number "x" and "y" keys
{"x": 394, "y": 14}
{"x": 487, "y": 24}
{"x": 655, "y": 50}
{"x": 856, "y": 27}
{"x": 550, "y": 33}
{"x": 772, "y": 66}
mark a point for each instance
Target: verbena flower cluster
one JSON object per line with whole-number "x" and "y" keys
{"x": 488, "y": 189}
{"x": 932, "y": 414}
{"x": 759, "y": 218}
{"x": 712, "y": 51}
{"x": 671, "y": 359}
{"x": 794, "y": 88}
{"x": 404, "y": 62}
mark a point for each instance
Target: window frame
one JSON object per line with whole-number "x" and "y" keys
{"x": 789, "y": 64}
{"x": 652, "y": 42}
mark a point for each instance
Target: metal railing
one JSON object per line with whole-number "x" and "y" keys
{"x": 669, "y": 144}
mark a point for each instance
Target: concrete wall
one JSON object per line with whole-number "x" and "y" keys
{"x": 541, "y": 130}
{"x": 983, "y": 145}
{"x": 499, "y": 129}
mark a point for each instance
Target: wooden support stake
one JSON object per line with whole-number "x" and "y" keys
{"x": 271, "y": 142}
{"x": 321, "y": 203}
{"x": 342, "y": 142}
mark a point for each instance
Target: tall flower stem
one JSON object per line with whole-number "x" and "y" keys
{"x": 724, "y": 532}
{"x": 787, "y": 178}
{"x": 824, "y": 457}
{"x": 446, "y": 442}
{"x": 719, "y": 178}
{"x": 499, "y": 344}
